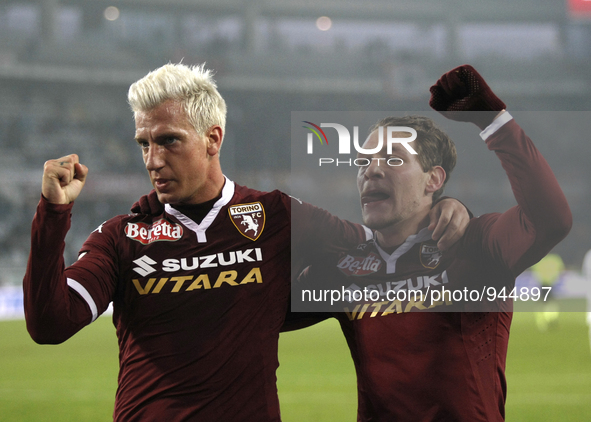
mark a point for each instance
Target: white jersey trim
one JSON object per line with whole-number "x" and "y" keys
{"x": 495, "y": 125}
{"x": 199, "y": 229}
{"x": 423, "y": 235}
{"x": 368, "y": 233}
{"x": 81, "y": 290}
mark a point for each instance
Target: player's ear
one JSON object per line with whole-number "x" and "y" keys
{"x": 215, "y": 136}
{"x": 436, "y": 179}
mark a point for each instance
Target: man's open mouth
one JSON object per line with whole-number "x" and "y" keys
{"x": 373, "y": 196}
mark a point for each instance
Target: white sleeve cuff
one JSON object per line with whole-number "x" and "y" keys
{"x": 495, "y": 125}
{"x": 81, "y": 290}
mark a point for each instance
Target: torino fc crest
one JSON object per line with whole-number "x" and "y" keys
{"x": 430, "y": 255}
{"x": 249, "y": 219}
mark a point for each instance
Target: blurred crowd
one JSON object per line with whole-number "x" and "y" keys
{"x": 45, "y": 115}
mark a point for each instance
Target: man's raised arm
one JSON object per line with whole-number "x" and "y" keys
{"x": 54, "y": 311}
{"x": 524, "y": 234}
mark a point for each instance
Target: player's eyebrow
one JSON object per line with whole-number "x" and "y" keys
{"x": 161, "y": 136}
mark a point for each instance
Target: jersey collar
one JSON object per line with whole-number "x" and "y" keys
{"x": 199, "y": 229}
{"x": 423, "y": 235}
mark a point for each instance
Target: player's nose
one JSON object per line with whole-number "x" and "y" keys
{"x": 375, "y": 169}
{"x": 154, "y": 157}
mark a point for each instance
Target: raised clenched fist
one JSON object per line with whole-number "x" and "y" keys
{"x": 63, "y": 179}
{"x": 462, "y": 94}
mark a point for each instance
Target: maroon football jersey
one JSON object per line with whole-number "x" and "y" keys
{"x": 197, "y": 307}
{"x": 416, "y": 362}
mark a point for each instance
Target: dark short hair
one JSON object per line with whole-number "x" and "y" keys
{"x": 434, "y": 147}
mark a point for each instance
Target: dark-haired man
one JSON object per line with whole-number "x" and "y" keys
{"x": 421, "y": 354}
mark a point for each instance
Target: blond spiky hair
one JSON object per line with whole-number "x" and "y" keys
{"x": 192, "y": 86}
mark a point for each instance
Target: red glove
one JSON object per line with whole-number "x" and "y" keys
{"x": 148, "y": 204}
{"x": 463, "y": 90}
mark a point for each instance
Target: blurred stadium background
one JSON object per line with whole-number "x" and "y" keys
{"x": 65, "y": 66}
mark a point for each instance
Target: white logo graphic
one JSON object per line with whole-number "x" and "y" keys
{"x": 434, "y": 260}
{"x": 345, "y": 139}
{"x": 251, "y": 224}
{"x": 144, "y": 265}
{"x": 99, "y": 228}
